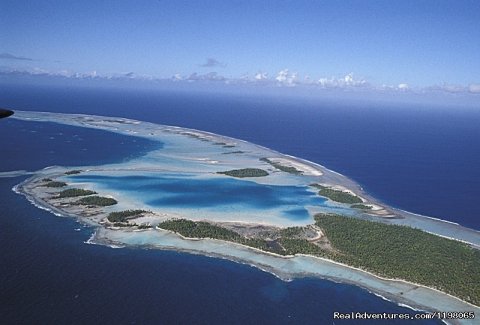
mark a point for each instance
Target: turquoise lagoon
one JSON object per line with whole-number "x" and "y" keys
{"x": 215, "y": 198}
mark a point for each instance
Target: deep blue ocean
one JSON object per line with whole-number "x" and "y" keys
{"x": 421, "y": 159}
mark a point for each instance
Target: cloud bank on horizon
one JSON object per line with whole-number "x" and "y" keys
{"x": 383, "y": 46}
{"x": 283, "y": 78}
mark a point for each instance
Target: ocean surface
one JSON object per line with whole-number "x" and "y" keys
{"x": 419, "y": 159}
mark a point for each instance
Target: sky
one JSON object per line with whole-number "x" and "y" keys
{"x": 378, "y": 44}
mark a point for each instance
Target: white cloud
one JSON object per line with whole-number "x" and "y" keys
{"x": 93, "y": 74}
{"x": 39, "y": 71}
{"x": 261, "y": 76}
{"x": 324, "y": 82}
{"x": 292, "y": 80}
{"x": 348, "y": 79}
{"x": 453, "y": 88}
{"x": 343, "y": 82}
{"x": 211, "y": 76}
{"x": 447, "y": 88}
{"x": 65, "y": 73}
{"x": 474, "y": 88}
{"x": 284, "y": 77}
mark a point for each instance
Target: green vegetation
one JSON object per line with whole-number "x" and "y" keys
{"x": 144, "y": 226}
{"x": 233, "y": 152}
{"x": 294, "y": 246}
{"x": 291, "y": 232}
{"x": 96, "y": 200}
{"x": 229, "y": 146}
{"x": 291, "y": 170}
{"x": 123, "y": 216}
{"x": 245, "y": 172}
{"x": 283, "y": 246}
{"x": 46, "y": 180}
{"x": 407, "y": 253}
{"x": 55, "y": 184}
{"x": 198, "y": 229}
{"x": 73, "y": 172}
{"x": 361, "y": 206}
{"x": 262, "y": 244}
{"x": 336, "y": 195}
{"x": 73, "y": 192}
{"x": 201, "y": 229}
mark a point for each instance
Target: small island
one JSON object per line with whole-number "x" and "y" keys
{"x": 361, "y": 206}
{"x": 245, "y": 172}
{"x": 337, "y": 195}
{"x": 124, "y": 216}
{"x": 74, "y": 192}
{"x": 283, "y": 168}
{"x": 73, "y": 172}
{"x": 51, "y": 183}
{"x": 97, "y": 201}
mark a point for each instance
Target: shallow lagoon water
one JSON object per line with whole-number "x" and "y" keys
{"x": 193, "y": 195}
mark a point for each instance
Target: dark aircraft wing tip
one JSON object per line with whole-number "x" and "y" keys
{"x": 6, "y": 113}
